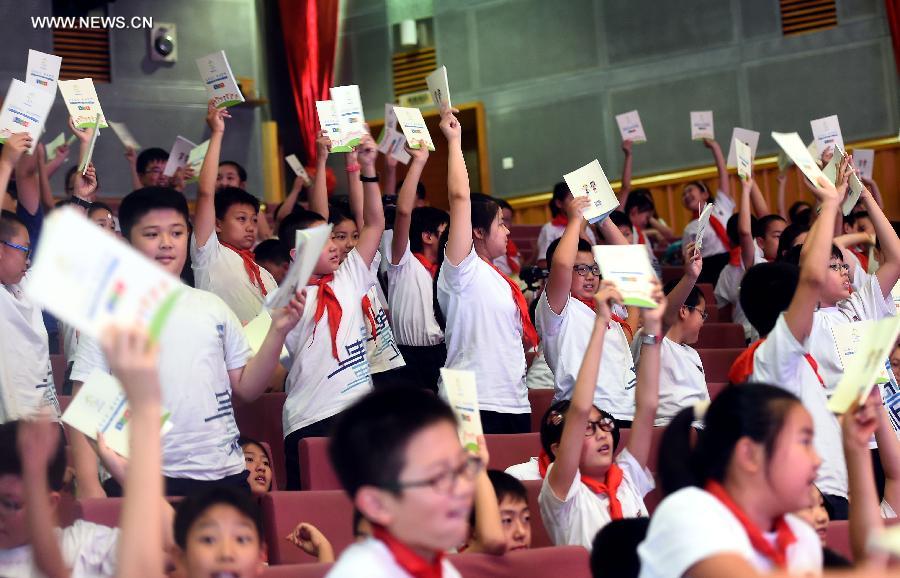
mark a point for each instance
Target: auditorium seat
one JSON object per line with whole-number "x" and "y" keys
{"x": 104, "y": 511}
{"x": 329, "y": 510}
{"x": 59, "y": 366}
{"x": 720, "y": 335}
{"x": 708, "y": 291}
{"x": 838, "y": 538}
{"x": 568, "y": 561}
{"x": 525, "y": 238}
{"x": 671, "y": 273}
{"x": 712, "y": 312}
{"x": 509, "y": 449}
{"x": 541, "y": 400}
{"x": 715, "y": 388}
{"x": 717, "y": 362}
{"x": 261, "y": 420}
{"x": 539, "y": 536}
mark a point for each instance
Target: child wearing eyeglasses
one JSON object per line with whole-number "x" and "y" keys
{"x": 565, "y": 317}
{"x": 398, "y": 456}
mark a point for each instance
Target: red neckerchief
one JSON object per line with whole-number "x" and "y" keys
{"x": 784, "y": 537}
{"x": 249, "y": 265}
{"x": 429, "y": 266}
{"x": 406, "y": 558}
{"x": 610, "y": 486}
{"x": 560, "y": 220}
{"x": 863, "y": 259}
{"x": 734, "y": 256}
{"x": 641, "y": 240}
{"x": 718, "y": 228}
{"x": 742, "y": 368}
{"x": 368, "y": 311}
{"x": 529, "y": 333}
{"x": 512, "y": 257}
{"x": 625, "y": 327}
{"x": 327, "y": 300}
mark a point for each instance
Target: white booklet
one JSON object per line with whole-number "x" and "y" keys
{"x": 390, "y": 119}
{"x": 847, "y": 337}
{"x": 83, "y": 167}
{"x": 178, "y": 156}
{"x": 256, "y": 332}
{"x": 628, "y": 266}
{"x": 814, "y": 152}
{"x": 630, "y": 127}
{"x": 43, "y": 70}
{"x": 297, "y": 167}
{"x": 827, "y": 133}
{"x": 702, "y": 223}
{"x": 702, "y": 125}
{"x": 101, "y": 406}
{"x": 59, "y": 141}
{"x": 590, "y": 181}
{"x": 751, "y": 137}
{"x": 794, "y": 148}
{"x": 98, "y": 280}
{"x": 81, "y": 101}
{"x": 308, "y": 246}
{"x": 864, "y": 159}
{"x": 866, "y": 364}
{"x": 127, "y": 139}
{"x": 392, "y": 144}
{"x": 331, "y": 125}
{"x": 744, "y": 159}
{"x": 219, "y": 80}
{"x": 783, "y": 161}
{"x": 195, "y": 159}
{"x": 439, "y": 87}
{"x": 414, "y": 128}
{"x": 25, "y": 109}
{"x": 855, "y": 188}
{"x": 349, "y": 109}
{"x": 462, "y": 395}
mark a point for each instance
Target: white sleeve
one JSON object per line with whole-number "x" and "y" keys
{"x": 639, "y": 476}
{"x": 237, "y": 349}
{"x": 90, "y": 549}
{"x": 88, "y": 357}
{"x": 874, "y": 304}
{"x": 777, "y": 360}
{"x": 202, "y": 257}
{"x": 724, "y": 206}
{"x": 545, "y": 318}
{"x": 456, "y": 278}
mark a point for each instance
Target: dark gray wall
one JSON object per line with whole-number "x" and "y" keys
{"x": 553, "y": 75}
{"x": 157, "y": 101}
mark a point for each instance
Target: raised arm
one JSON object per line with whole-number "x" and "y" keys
{"x": 568, "y": 453}
{"x": 373, "y": 207}
{"x": 27, "y": 185}
{"x": 318, "y": 198}
{"x": 459, "y": 241}
{"x": 721, "y": 168}
{"x": 693, "y": 265}
{"x": 559, "y": 285}
{"x": 865, "y": 515}
{"x": 390, "y": 174}
{"x": 745, "y": 232}
{"x": 611, "y": 233}
{"x": 205, "y": 212}
{"x": 889, "y": 452}
{"x": 406, "y": 202}
{"x": 290, "y": 201}
{"x": 626, "y": 174}
{"x": 12, "y": 150}
{"x": 760, "y": 205}
{"x": 646, "y": 393}
{"x": 355, "y": 188}
{"x": 889, "y": 271}
{"x": 131, "y": 158}
{"x": 873, "y": 188}
{"x": 782, "y": 186}
{"x": 46, "y": 193}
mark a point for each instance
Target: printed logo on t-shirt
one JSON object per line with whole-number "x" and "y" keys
{"x": 633, "y": 381}
{"x": 225, "y": 411}
{"x": 357, "y": 362}
{"x": 384, "y": 342}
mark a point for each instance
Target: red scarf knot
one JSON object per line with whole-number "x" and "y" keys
{"x": 512, "y": 257}
{"x": 560, "y": 220}
{"x": 529, "y": 333}
{"x": 250, "y": 266}
{"x": 432, "y": 268}
{"x": 742, "y": 368}
{"x": 326, "y": 300}
{"x": 625, "y": 327}
{"x": 405, "y": 557}
{"x": 369, "y": 312}
{"x": 609, "y": 487}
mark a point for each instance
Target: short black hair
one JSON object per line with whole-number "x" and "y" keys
{"x": 793, "y": 254}
{"x": 505, "y": 486}
{"x": 298, "y": 220}
{"x": 425, "y": 220}
{"x": 504, "y": 204}
{"x": 731, "y": 228}
{"x": 420, "y": 189}
{"x": 369, "y": 440}
{"x": 11, "y": 465}
{"x": 554, "y": 420}
{"x": 788, "y": 236}
{"x": 241, "y": 171}
{"x": 140, "y": 202}
{"x": 271, "y": 250}
{"x": 98, "y": 205}
{"x": 147, "y": 156}
{"x": 800, "y": 213}
{"x": 194, "y": 506}
{"x": 762, "y": 226}
{"x": 583, "y": 246}
{"x": 642, "y": 203}
{"x": 244, "y": 441}
{"x": 226, "y": 197}
{"x": 9, "y": 225}
{"x": 339, "y": 212}
{"x": 614, "y": 551}
{"x": 693, "y": 298}
{"x": 560, "y": 192}
{"x": 620, "y": 219}
{"x": 766, "y": 290}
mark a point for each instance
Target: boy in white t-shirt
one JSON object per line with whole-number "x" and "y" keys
{"x": 329, "y": 365}
{"x": 780, "y": 302}
{"x": 225, "y": 226}
{"x": 204, "y": 359}
{"x": 398, "y": 456}
{"x": 565, "y": 316}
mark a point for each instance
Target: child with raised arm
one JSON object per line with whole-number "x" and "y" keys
{"x": 225, "y": 233}
{"x": 555, "y": 228}
{"x": 586, "y": 485}
{"x": 487, "y": 326}
{"x": 565, "y": 315}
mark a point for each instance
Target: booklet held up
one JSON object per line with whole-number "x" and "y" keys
{"x": 590, "y": 181}
{"x": 413, "y": 125}
{"x": 308, "y": 246}
{"x": 628, "y": 266}
{"x": 864, "y": 367}
{"x": 219, "y": 80}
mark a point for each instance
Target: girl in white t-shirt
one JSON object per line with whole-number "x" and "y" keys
{"x": 729, "y": 498}
{"x": 585, "y": 485}
{"x": 485, "y": 316}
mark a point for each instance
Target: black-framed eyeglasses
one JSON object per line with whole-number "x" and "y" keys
{"x": 445, "y": 482}
{"x": 703, "y": 314}
{"x": 603, "y": 424}
{"x": 24, "y": 249}
{"x": 838, "y": 267}
{"x": 582, "y": 270}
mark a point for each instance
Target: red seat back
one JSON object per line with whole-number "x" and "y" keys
{"x": 315, "y": 466}
{"x": 261, "y": 420}
{"x": 838, "y": 538}
{"x": 296, "y": 571}
{"x": 715, "y": 389}
{"x": 541, "y": 400}
{"x": 329, "y": 510}
{"x": 509, "y": 449}
{"x": 717, "y": 362}
{"x": 567, "y": 561}
{"x": 539, "y": 536}
{"x": 104, "y": 511}
{"x": 721, "y": 335}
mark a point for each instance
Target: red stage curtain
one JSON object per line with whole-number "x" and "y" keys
{"x": 310, "y": 29}
{"x": 893, "y": 17}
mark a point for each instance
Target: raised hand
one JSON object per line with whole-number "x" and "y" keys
{"x": 86, "y": 184}
{"x": 693, "y": 261}
{"x": 367, "y": 151}
{"x": 419, "y": 155}
{"x": 323, "y": 146}
{"x": 287, "y": 317}
{"x": 653, "y": 317}
{"x": 37, "y": 441}
{"x": 626, "y": 147}
{"x": 606, "y": 295}
{"x": 309, "y": 539}
{"x": 82, "y": 134}
{"x": 14, "y": 147}
{"x": 133, "y": 360}
{"x": 215, "y": 117}
{"x": 576, "y": 207}
{"x": 859, "y": 424}
{"x": 450, "y": 125}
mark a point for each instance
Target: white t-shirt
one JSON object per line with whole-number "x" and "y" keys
{"x": 319, "y": 386}
{"x": 692, "y": 525}
{"x": 577, "y": 519}
{"x": 867, "y": 303}
{"x": 780, "y": 361}
{"x": 220, "y": 270}
{"x": 550, "y": 232}
{"x": 887, "y": 512}
{"x": 502, "y": 263}
{"x": 411, "y": 297}
{"x": 88, "y": 549}
{"x": 723, "y": 208}
{"x": 529, "y": 470}
{"x": 382, "y": 347}
{"x": 682, "y": 382}
{"x": 26, "y": 377}
{"x": 372, "y": 559}
{"x": 728, "y": 291}
{"x": 539, "y": 375}
{"x": 200, "y": 343}
{"x": 484, "y": 333}
{"x": 565, "y": 338}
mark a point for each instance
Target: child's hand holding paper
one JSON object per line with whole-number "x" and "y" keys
{"x": 628, "y": 266}
{"x": 864, "y": 367}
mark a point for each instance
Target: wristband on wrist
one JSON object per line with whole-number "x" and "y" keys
{"x": 365, "y": 179}
{"x": 352, "y": 168}
{"x": 650, "y": 339}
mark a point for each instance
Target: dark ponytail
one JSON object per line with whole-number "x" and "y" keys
{"x": 754, "y": 410}
{"x": 442, "y": 248}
